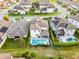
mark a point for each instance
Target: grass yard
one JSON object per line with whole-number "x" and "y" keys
{"x": 53, "y": 0}
{"x": 13, "y": 44}
{"x": 44, "y": 14}
{"x": 16, "y": 52}
{"x": 39, "y": 14}
{"x": 66, "y": 53}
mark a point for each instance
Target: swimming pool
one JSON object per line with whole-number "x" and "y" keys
{"x": 39, "y": 41}
{"x": 71, "y": 39}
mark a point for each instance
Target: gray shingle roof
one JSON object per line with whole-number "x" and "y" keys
{"x": 19, "y": 29}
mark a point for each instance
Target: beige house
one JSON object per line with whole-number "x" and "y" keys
{"x": 2, "y": 5}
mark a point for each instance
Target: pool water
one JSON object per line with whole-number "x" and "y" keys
{"x": 71, "y": 39}
{"x": 39, "y": 41}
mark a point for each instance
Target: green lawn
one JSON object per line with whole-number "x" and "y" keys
{"x": 39, "y": 14}
{"x": 11, "y": 43}
{"x": 66, "y": 53}
{"x": 53, "y": 38}
{"x": 53, "y": 0}
{"x": 44, "y": 14}
{"x": 16, "y": 52}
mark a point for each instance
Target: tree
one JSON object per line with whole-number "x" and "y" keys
{"x": 50, "y": 58}
{"x": 77, "y": 33}
{"x": 6, "y": 17}
{"x": 59, "y": 57}
{"x": 33, "y": 55}
{"x": 26, "y": 55}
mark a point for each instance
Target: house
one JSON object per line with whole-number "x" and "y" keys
{"x": 39, "y": 34}
{"x": 11, "y": 1}
{"x": 19, "y": 9}
{"x": 71, "y": 3}
{"x": 26, "y": 4}
{"x": 23, "y": 7}
{"x": 19, "y": 30}
{"x": 4, "y": 27}
{"x": 45, "y": 7}
{"x": 44, "y": 4}
{"x": 43, "y": 10}
{"x": 63, "y": 29}
{"x": 3, "y": 5}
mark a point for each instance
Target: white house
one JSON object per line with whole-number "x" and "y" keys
{"x": 39, "y": 34}
{"x": 46, "y": 7}
{"x": 63, "y": 29}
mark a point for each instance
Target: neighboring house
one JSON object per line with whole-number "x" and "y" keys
{"x": 4, "y": 27}
{"x": 19, "y": 9}
{"x": 74, "y": 20}
{"x": 3, "y": 5}
{"x": 19, "y": 30}
{"x": 39, "y": 34}
{"x": 23, "y": 7}
{"x": 26, "y": 4}
{"x": 44, "y": 4}
{"x": 45, "y": 7}
{"x": 71, "y": 3}
{"x": 63, "y": 29}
